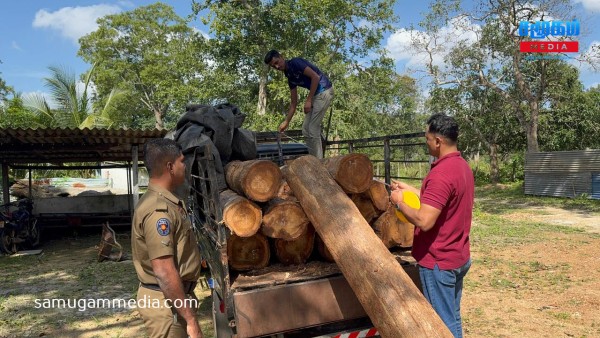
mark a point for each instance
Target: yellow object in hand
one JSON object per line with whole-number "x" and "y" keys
{"x": 412, "y": 200}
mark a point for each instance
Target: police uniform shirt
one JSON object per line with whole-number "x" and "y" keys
{"x": 162, "y": 227}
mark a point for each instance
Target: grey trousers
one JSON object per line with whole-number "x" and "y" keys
{"x": 313, "y": 121}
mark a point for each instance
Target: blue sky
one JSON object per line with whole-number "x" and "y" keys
{"x": 39, "y": 34}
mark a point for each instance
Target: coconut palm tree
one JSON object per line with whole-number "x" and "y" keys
{"x": 71, "y": 105}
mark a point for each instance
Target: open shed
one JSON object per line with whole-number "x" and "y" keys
{"x": 55, "y": 147}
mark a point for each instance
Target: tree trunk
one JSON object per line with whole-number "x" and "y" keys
{"x": 284, "y": 219}
{"x": 239, "y": 214}
{"x": 259, "y": 180}
{"x": 532, "y": 129}
{"x": 494, "y": 177}
{"x": 379, "y": 195}
{"x": 392, "y": 231}
{"x": 158, "y": 117}
{"x": 298, "y": 250}
{"x": 353, "y": 172}
{"x": 248, "y": 253}
{"x": 388, "y": 295}
{"x": 261, "y": 108}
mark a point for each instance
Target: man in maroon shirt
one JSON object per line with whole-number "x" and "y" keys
{"x": 442, "y": 224}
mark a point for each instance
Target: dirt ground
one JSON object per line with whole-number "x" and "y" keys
{"x": 547, "y": 286}
{"x": 541, "y": 280}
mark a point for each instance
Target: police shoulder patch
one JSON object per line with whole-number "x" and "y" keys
{"x": 163, "y": 226}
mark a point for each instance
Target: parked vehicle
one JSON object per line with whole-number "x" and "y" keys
{"x": 310, "y": 300}
{"x": 19, "y": 229}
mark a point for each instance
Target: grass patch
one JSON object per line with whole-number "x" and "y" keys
{"x": 508, "y": 197}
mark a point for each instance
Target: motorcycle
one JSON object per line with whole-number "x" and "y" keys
{"x": 19, "y": 229}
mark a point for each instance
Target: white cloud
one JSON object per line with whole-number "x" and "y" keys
{"x": 591, "y": 5}
{"x": 15, "y": 45}
{"x": 73, "y": 22}
{"x": 401, "y": 44}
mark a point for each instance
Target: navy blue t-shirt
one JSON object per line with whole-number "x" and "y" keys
{"x": 295, "y": 75}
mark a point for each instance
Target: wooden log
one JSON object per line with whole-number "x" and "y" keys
{"x": 353, "y": 172}
{"x": 322, "y": 249}
{"x": 284, "y": 219}
{"x": 285, "y": 192}
{"x": 388, "y": 295}
{"x": 298, "y": 250}
{"x": 258, "y": 180}
{"x": 392, "y": 231}
{"x": 379, "y": 195}
{"x": 365, "y": 206}
{"x": 240, "y": 215}
{"x": 248, "y": 253}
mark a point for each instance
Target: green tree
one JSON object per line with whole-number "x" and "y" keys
{"x": 73, "y": 106}
{"x": 342, "y": 38}
{"x": 151, "y": 53}
{"x": 494, "y": 60}
{"x": 16, "y": 115}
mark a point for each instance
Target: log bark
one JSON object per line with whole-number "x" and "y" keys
{"x": 258, "y": 180}
{"x": 248, "y": 253}
{"x": 284, "y": 219}
{"x": 365, "y": 206}
{"x": 388, "y": 295}
{"x": 353, "y": 172}
{"x": 392, "y": 231}
{"x": 298, "y": 250}
{"x": 379, "y": 195}
{"x": 239, "y": 214}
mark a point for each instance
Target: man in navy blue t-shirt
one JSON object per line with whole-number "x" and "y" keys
{"x": 300, "y": 72}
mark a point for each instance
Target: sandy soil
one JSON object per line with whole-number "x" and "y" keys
{"x": 547, "y": 285}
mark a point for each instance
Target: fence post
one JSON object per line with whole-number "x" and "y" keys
{"x": 386, "y": 160}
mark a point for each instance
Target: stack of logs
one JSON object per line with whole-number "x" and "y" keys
{"x": 264, "y": 216}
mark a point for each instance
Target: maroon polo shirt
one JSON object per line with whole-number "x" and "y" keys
{"x": 448, "y": 187}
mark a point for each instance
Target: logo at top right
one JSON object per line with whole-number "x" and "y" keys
{"x": 542, "y": 29}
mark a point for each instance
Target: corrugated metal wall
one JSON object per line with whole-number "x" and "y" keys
{"x": 562, "y": 173}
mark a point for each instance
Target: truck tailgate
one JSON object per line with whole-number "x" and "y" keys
{"x": 288, "y": 307}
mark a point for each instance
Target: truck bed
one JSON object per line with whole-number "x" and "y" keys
{"x": 310, "y": 295}
{"x": 278, "y": 274}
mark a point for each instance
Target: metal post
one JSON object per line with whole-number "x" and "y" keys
{"x": 134, "y": 173}
{"x": 386, "y": 161}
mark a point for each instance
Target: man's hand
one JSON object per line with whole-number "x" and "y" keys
{"x": 193, "y": 330}
{"x": 283, "y": 126}
{"x": 307, "y": 106}
{"x": 396, "y": 196}
{"x": 398, "y": 185}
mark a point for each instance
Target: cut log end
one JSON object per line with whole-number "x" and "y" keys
{"x": 392, "y": 231}
{"x": 353, "y": 172}
{"x": 240, "y": 215}
{"x": 248, "y": 253}
{"x": 259, "y": 180}
{"x": 284, "y": 219}
{"x": 296, "y": 251}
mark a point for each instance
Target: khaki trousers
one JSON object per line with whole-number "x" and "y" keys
{"x": 313, "y": 121}
{"x": 159, "y": 320}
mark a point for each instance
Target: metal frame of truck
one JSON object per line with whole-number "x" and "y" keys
{"x": 289, "y": 302}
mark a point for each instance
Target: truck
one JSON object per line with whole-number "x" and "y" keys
{"x": 309, "y": 300}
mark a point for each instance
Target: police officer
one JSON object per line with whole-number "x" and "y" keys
{"x": 165, "y": 253}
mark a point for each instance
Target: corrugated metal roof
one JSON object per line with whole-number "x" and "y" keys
{"x": 60, "y": 145}
{"x": 563, "y": 161}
